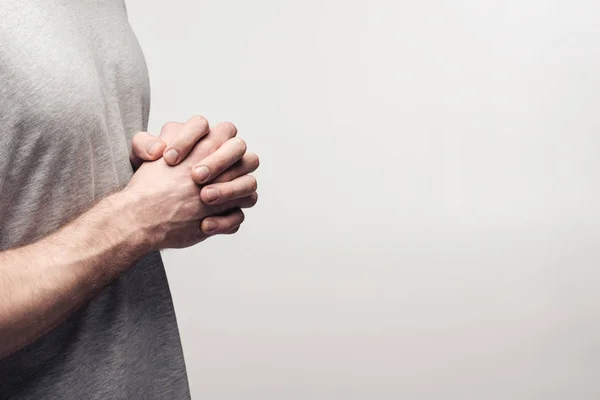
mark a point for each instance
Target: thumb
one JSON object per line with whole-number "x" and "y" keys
{"x": 145, "y": 147}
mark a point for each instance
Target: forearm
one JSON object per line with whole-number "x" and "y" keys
{"x": 43, "y": 283}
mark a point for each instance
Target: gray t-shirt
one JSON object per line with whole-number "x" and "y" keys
{"x": 73, "y": 91}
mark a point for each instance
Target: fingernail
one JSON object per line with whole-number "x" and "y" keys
{"x": 171, "y": 156}
{"x": 152, "y": 147}
{"x": 209, "y": 225}
{"x": 212, "y": 194}
{"x": 202, "y": 173}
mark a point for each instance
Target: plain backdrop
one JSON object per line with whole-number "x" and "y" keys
{"x": 429, "y": 217}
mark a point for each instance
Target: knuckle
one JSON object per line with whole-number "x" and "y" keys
{"x": 199, "y": 122}
{"x": 228, "y": 127}
{"x": 237, "y": 146}
{"x": 168, "y": 126}
{"x": 253, "y": 184}
{"x": 253, "y": 160}
{"x": 230, "y": 225}
{"x": 253, "y": 199}
{"x": 137, "y": 140}
{"x": 138, "y": 136}
{"x": 241, "y": 218}
{"x": 240, "y": 144}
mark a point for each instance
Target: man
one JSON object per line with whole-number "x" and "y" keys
{"x": 85, "y": 309}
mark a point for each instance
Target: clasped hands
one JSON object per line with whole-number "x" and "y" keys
{"x": 192, "y": 181}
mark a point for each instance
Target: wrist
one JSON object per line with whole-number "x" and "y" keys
{"x": 128, "y": 213}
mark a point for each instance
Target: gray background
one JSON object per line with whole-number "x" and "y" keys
{"x": 429, "y": 220}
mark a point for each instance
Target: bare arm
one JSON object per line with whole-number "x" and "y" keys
{"x": 41, "y": 284}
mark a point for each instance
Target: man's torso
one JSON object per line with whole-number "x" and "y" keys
{"x": 73, "y": 91}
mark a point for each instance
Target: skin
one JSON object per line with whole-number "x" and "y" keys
{"x": 181, "y": 138}
{"x": 163, "y": 206}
